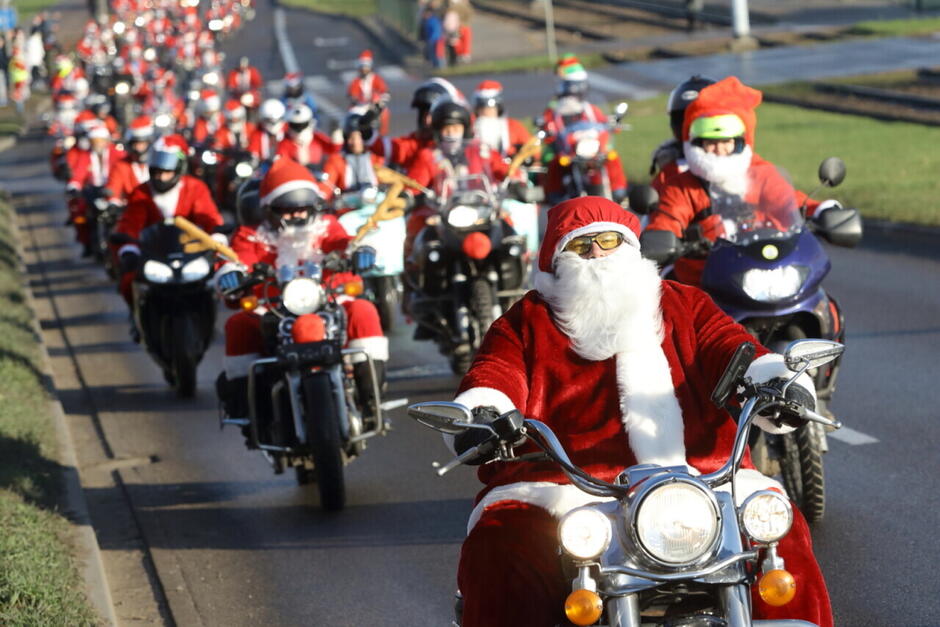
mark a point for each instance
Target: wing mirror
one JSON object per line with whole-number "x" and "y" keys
{"x": 832, "y": 172}
{"x": 643, "y": 199}
{"x": 660, "y": 246}
{"x": 803, "y": 355}
{"x": 452, "y": 418}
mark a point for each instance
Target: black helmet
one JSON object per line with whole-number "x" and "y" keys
{"x": 447, "y": 112}
{"x": 430, "y": 91}
{"x": 680, "y": 98}
{"x": 365, "y": 121}
{"x": 248, "y": 203}
{"x": 168, "y": 154}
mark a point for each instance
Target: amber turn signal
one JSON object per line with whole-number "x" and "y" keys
{"x": 583, "y": 607}
{"x": 777, "y": 587}
{"x": 248, "y": 303}
{"x": 564, "y": 161}
{"x": 353, "y": 288}
{"x": 612, "y": 155}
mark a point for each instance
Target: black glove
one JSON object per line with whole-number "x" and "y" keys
{"x": 798, "y": 395}
{"x": 129, "y": 261}
{"x": 474, "y": 437}
{"x": 409, "y": 199}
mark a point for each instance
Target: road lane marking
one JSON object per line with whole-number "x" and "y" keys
{"x": 852, "y": 437}
{"x": 620, "y": 88}
{"x": 330, "y": 42}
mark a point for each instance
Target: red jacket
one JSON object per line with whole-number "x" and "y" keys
{"x": 262, "y": 144}
{"x": 193, "y": 203}
{"x": 253, "y": 247}
{"x": 400, "y": 151}
{"x": 430, "y": 167}
{"x": 203, "y": 129}
{"x": 366, "y": 90}
{"x": 94, "y": 170}
{"x": 513, "y": 134}
{"x": 313, "y": 153}
{"x": 226, "y": 138}
{"x": 125, "y": 177}
{"x": 242, "y": 80}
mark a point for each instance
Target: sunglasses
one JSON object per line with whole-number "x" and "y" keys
{"x": 606, "y": 240}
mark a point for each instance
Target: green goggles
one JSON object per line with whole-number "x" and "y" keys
{"x": 607, "y": 240}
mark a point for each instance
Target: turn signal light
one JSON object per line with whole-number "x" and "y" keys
{"x": 612, "y": 155}
{"x": 353, "y": 288}
{"x": 564, "y": 161}
{"x": 248, "y": 303}
{"x": 583, "y": 607}
{"x": 777, "y": 587}
{"x": 80, "y": 219}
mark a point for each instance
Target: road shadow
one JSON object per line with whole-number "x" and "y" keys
{"x": 101, "y": 317}
{"x": 30, "y": 474}
{"x": 95, "y": 349}
{"x": 28, "y": 365}
{"x": 25, "y": 327}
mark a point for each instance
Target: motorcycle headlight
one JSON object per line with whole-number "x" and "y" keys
{"x": 766, "y": 516}
{"x": 584, "y": 533}
{"x": 210, "y": 78}
{"x": 162, "y": 120}
{"x": 243, "y": 170}
{"x": 196, "y": 269}
{"x": 215, "y": 25}
{"x": 209, "y": 158}
{"x": 677, "y": 522}
{"x": 302, "y": 296}
{"x": 463, "y": 216}
{"x": 157, "y": 272}
{"x": 587, "y": 148}
{"x": 119, "y": 28}
{"x": 768, "y": 286}
{"x": 122, "y": 89}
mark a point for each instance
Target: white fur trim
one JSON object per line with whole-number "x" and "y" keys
{"x": 376, "y": 347}
{"x": 129, "y": 248}
{"x": 649, "y": 408}
{"x": 596, "y": 227}
{"x": 772, "y": 366}
{"x": 290, "y": 186}
{"x": 220, "y": 238}
{"x": 556, "y": 499}
{"x": 238, "y": 365}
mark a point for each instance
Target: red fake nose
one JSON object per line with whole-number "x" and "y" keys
{"x": 477, "y": 246}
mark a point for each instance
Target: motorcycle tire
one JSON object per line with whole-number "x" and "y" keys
{"x": 385, "y": 290}
{"x": 802, "y": 470}
{"x": 185, "y": 361}
{"x": 481, "y": 305}
{"x": 325, "y": 441}
{"x": 460, "y": 363}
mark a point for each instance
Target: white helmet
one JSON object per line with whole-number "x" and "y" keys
{"x": 300, "y": 117}
{"x": 272, "y": 110}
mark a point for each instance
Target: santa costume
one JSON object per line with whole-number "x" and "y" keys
{"x": 621, "y": 366}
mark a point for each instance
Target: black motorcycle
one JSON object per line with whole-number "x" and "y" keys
{"x": 467, "y": 267}
{"x": 174, "y": 306}
{"x": 239, "y": 167}
{"x": 306, "y": 408}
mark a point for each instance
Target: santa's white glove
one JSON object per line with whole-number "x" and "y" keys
{"x": 220, "y": 238}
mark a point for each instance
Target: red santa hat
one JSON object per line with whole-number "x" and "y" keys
{"x": 488, "y": 89}
{"x": 234, "y": 110}
{"x": 141, "y": 128}
{"x": 286, "y": 175}
{"x": 292, "y": 79}
{"x": 86, "y": 119}
{"x": 210, "y": 100}
{"x": 726, "y": 97}
{"x": 98, "y": 131}
{"x": 581, "y": 216}
{"x": 365, "y": 59}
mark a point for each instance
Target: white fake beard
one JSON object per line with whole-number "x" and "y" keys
{"x": 606, "y": 305}
{"x": 727, "y": 173}
{"x": 295, "y": 244}
{"x": 489, "y": 131}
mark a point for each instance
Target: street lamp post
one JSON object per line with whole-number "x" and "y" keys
{"x": 550, "y": 31}
{"x": 740, "y": 20}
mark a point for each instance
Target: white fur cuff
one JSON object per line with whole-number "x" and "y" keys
{"x": 556, "y": 499}
{"x": 376, "y": 347}
{"x": 772, "y": 366}
{"x": 482, "y": 397}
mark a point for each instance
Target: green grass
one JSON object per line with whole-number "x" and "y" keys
{"x": 892, "y": 166}
{"x": 26, "y": 9}
{"x": 897, "y": 28}
{"x": 352, "y": 8}
{"x": 38, "y": 583}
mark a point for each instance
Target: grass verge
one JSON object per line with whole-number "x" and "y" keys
{"x": 897, "y": 28}
{"x": 352, "y": 8}
{"x": 39, "y": 584}
{"x": 892, "y": 166}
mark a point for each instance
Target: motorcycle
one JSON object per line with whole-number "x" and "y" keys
{"x": 102, "y": 215}
{"x": 386, "y": 234}
{"x": 766, "y": 272}
{"x": 173, "y": 303}
{"x": 582, "y": 149}
{"x": 239, "y": 167}
{"x": 468, "y": 265}
{"x": 638, "y": 559}
{"x": 304, "y": 408}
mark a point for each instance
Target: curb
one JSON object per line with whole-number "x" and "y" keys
{"x": 88, "y": 555}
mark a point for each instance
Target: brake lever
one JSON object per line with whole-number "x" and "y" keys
{"x": 467, "y": 455}
{"x": 812, "y": 416}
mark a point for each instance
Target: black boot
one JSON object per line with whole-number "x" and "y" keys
{"x": 363, "y": 378}
{"x": 233, "y": 394}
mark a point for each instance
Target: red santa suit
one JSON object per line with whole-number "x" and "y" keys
{"x": 399, "y": 152}
{"x": 309, "y": 149}
{"x": 190, "y": 198}
{"x": 88, "y": 169}
{"x": 685, "y": 200}
{"x": 503, "y": 134}
{"x": 241, "y": 80}
{"x": 243, "y": 340}
{"x": 341, "y": 175}
{"x": 206, "y": 127}
{"x": 262, "y": 144}
{"x": 126, "y": 176}
{"x": 369, "y": 89}
{"x": 649, "y": 403}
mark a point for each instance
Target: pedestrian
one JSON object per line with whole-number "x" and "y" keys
{"x": 431, "y": 32}
{"x": 35, "y": 52}
{"x": 4, "y": 64}
{"x": 693, "y": 14}
{"x": 19, "y": 79}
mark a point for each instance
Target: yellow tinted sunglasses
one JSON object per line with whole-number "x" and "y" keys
{"x": 606, "y": 240}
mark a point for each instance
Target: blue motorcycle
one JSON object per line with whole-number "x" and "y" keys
{"x": 765, "y": 269}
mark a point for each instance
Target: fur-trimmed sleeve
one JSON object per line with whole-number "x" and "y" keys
{"x": 498, "y": 372}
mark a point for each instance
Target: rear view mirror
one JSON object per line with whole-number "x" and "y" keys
{"x": 527, "y": 194}
{"x": 832, "y": 171}
{"x": 660, "y": 246}
{"x": 806, "y": 354}
{"x": 643, "y": 199}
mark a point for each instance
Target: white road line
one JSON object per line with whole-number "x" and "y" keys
{"x": 852, "y": 437}
{"x": 619, "y": 88}
{"x": 283, "y": 43}
{"x": 330, "y": 42}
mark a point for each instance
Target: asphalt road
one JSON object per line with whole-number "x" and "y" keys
{"x": 229, "y": 543}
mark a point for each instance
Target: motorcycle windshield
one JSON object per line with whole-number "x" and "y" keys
{"x": 471, "y": 190}
{"x": 584, "y": 139}
{"x": 161, "y": 240}
{"x": 767, "y": 211}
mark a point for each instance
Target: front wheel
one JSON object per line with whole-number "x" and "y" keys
{"x": 324, "y": 440}
{"x": 802, "y": 470}
{"x": 385, "y": 292}
{"x": 482, "y": 301}
{"x": 184, "y": 356}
